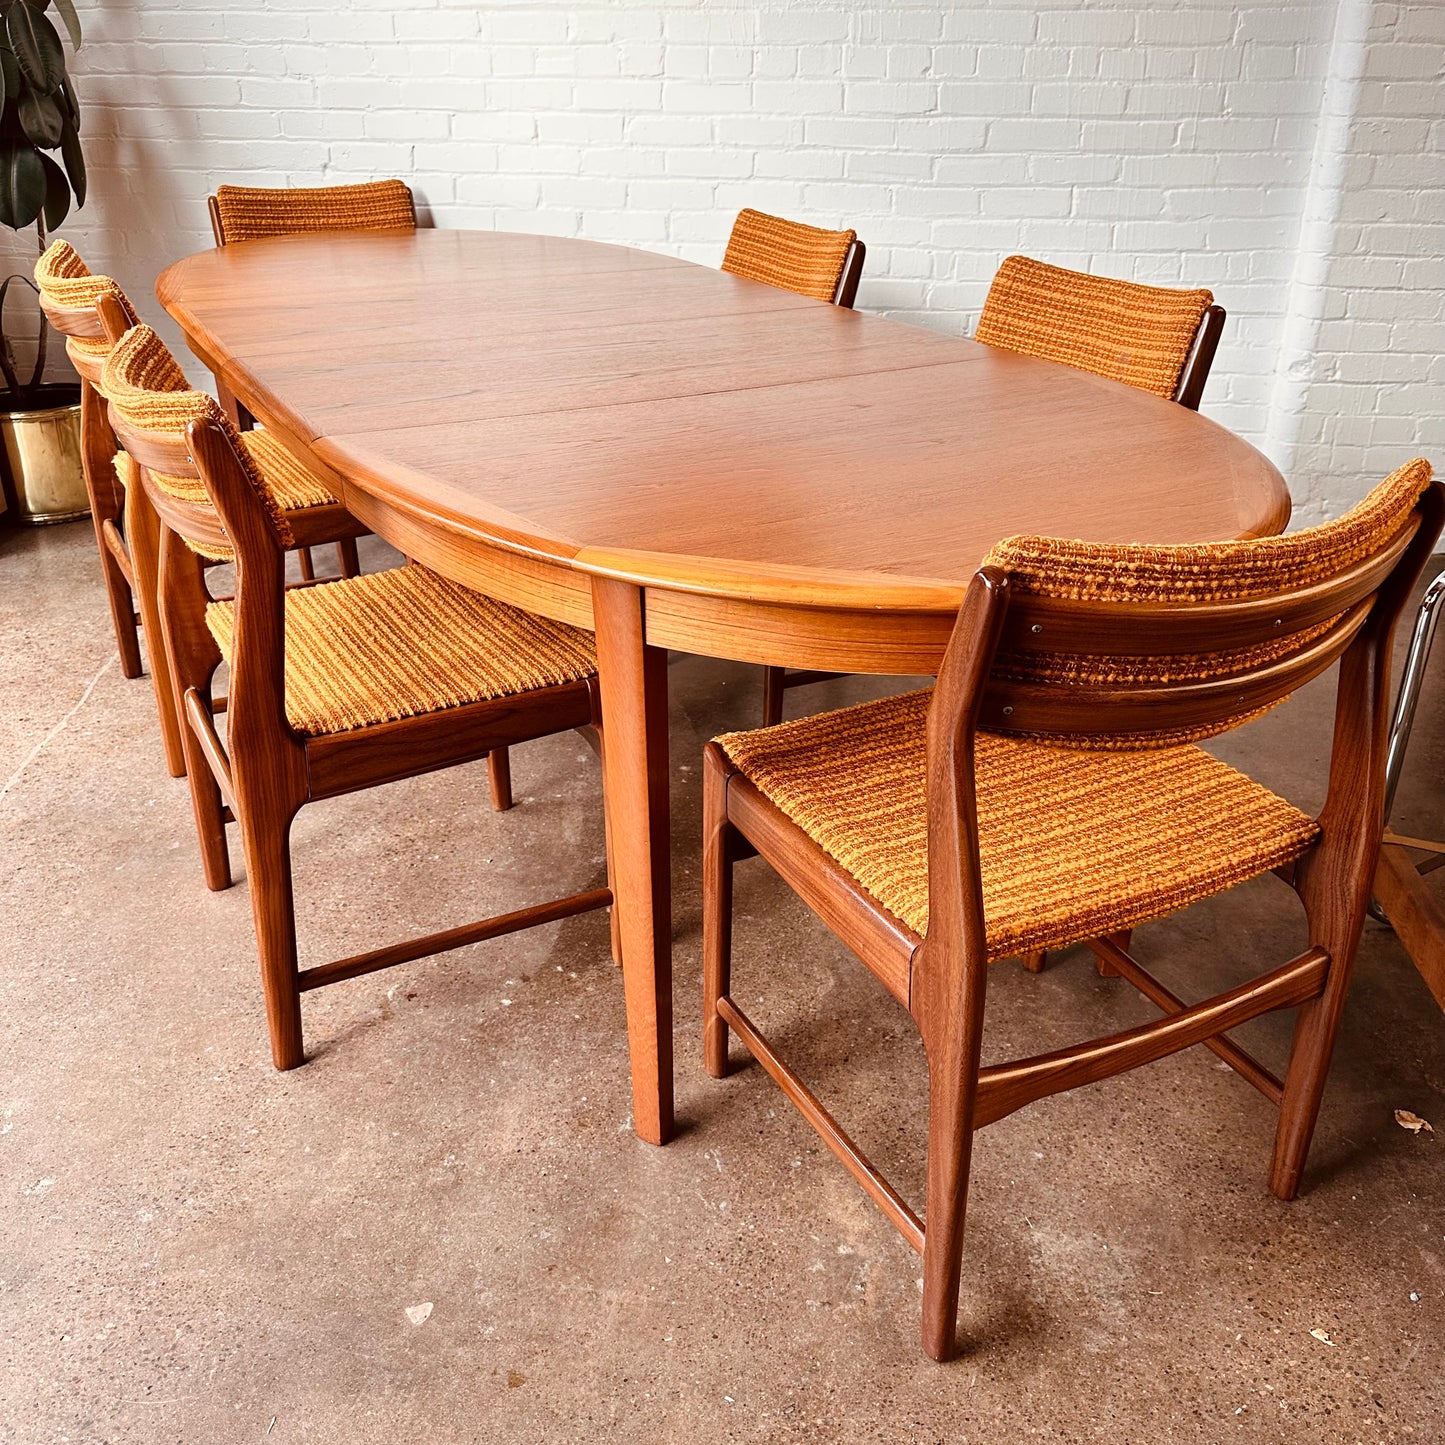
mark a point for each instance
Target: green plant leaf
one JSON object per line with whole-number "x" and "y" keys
{"x": 41, "y": 118}
{"x": 71, "y": 101}
{"x": 37, "y": 47}
{"x": 74, "y": 162}
{"x": 10, "y": 72}
{"x": 22, "y": 186}
{"x": 71, "y": 19}
{"x": 57, "y": 194}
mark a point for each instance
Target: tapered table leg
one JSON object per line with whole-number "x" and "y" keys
{"x": 633, "y": 679}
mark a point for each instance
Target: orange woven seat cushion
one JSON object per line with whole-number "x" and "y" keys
{"x": 291, "y": 485}
{"x": 1128, "y": 332}
{"x": 251, "y": 213}
{"x": 787, "y": 254}
{"x": 405, "y": 642}
{"x": 1072, "y": 844}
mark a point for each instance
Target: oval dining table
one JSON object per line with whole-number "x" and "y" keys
{"x": 675, "y": 457}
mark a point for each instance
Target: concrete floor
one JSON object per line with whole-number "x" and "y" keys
{"x": 443, "y": 1229}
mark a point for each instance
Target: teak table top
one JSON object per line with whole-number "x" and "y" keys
{"x": 675, "y": 457}
{"x": 647, "y": 416}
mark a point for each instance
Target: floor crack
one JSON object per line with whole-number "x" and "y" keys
{"x": 59, "y": 727}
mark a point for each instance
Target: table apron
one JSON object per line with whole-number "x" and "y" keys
{"x": 546, "y": 585}
{"x": 835, "y": 639}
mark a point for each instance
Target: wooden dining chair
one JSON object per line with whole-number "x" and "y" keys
{"x": 253, "y": 213}
{"x": 787, "y": 254}
{"x": 1048, "y": 791}
{"x": 68, "y": 296}
{"x": 1157, "y": 338}
{"x": 336, "y": 687}
{"x": 88, "y": 310}
{"x": 825, "y": 265}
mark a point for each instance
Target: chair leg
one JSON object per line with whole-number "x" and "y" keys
{"x": 192, "y": 656}
{"x": 206, "y": 807}
{"x": 773, "y": 689}
{"x": 107, "y": 509}
{"x": 308, "y": 567}
{"x": 143, "y": 538}
{"x": 717, "y": 912}
{"x": 950, "y": 1154}
{"x": 1316, "y": 1025}
{"x": 499, "y": 775}
{"x": 1035, "y": 962}
{"x": 614, "y": 918}
{"x": 227, "y": 398}
{"x": 346, "y": 557}
{"x": 267, "y": 833}
{"x": 950, "y": 1018}
{"x": 122, "y": 607}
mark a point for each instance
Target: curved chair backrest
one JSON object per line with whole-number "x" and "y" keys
{"x": 209, "y": 493}
{"x": 822, "y": 264}
{"x": 72, "y": 298}
{"x": 251, "y": 213}
{"x": 1147, "y": 646}
{"x": 1153, "y": 337}
{"x": 216, "y": 503}
{"x": 1085, "y": 645}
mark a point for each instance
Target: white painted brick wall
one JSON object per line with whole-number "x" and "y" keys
{"x": 1175, "y": 141}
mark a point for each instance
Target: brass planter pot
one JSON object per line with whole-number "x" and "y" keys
{"x": 45, "y": 481}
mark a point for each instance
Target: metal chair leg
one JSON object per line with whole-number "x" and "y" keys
{"x": 1406, "y": 701}
{"x": 1409, "y": 697}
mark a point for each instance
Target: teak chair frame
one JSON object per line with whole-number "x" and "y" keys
{"x": 941, "y": 979}
{"x": 265, "y": 771}
{"x": 852, "y": 273}
{"x": 1195, "y": 372}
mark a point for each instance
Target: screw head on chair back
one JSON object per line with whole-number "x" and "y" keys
{"x": 813, "y": 262}
{"x": 252, "y": 213}
{"x": 1141, "y": 335}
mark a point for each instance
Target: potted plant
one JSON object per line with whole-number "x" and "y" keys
{"x": 39, "y": 121}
